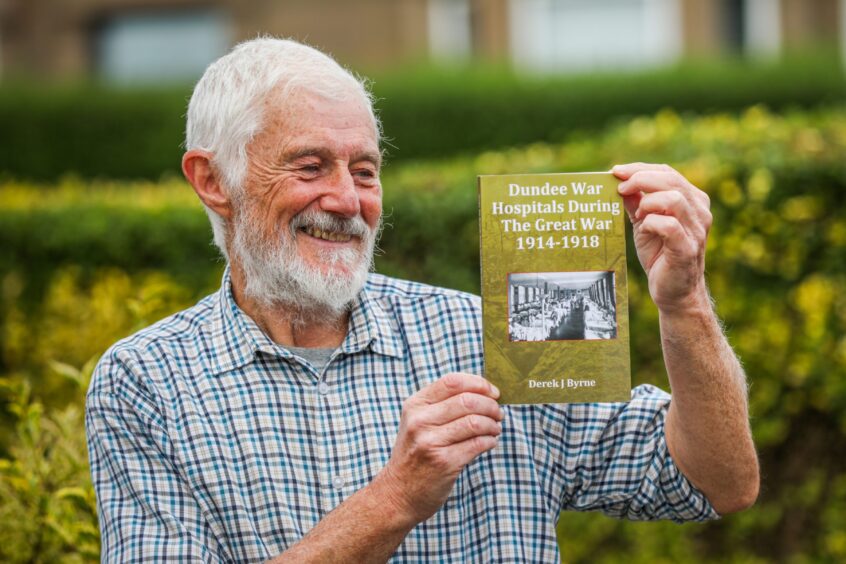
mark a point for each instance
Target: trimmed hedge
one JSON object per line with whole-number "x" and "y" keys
{"x": 776, "y": 266}
{"x": 49, "y": 131}
{"x": 437, "y": 114}
{"x": 131, "y": 227}
{"x": 132, "y": 134}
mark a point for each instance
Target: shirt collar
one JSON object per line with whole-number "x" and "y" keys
{"x": 370, "y": 325}
{"x": 238, "y": 338}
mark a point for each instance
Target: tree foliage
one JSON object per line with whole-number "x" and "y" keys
{"x": 776, "y": 266}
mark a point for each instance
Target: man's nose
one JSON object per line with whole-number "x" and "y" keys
{"x": 341, "y": 195}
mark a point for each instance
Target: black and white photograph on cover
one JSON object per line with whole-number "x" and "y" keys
{"x": 561, "y": 306}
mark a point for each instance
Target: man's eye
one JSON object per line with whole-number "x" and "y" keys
{"x": 310, "y": 168}
{"x": 365, "y": 174}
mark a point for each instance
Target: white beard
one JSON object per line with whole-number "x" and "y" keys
{"x": 276, "y": 274}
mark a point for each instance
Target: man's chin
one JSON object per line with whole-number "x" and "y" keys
{"x": 340, "y": 275}
{"x": 335, "y": 286}
{"x": 336, "y": 268}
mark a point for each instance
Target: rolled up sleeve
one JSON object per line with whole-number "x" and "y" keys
{"x": 613, "y": 458}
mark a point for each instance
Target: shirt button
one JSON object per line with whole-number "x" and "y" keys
{"x": 323, "y": 388}
{"x": 338, "y": 482}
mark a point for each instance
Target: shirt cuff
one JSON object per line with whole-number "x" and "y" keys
{"x": 684, "y": 502}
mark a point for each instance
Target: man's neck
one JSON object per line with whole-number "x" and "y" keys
{"x": 288, "y": 325}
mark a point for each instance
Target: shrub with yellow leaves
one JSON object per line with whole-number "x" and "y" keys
{"x": 87, "y": 264}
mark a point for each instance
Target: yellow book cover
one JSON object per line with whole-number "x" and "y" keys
{"x": 554, "y": 292}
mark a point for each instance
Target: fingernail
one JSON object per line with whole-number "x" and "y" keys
{"x": 495, "y": 390}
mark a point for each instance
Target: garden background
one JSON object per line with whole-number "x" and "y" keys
{"x": 99, "y": 236}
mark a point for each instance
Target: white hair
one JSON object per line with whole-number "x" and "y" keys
{"x": 225, "y": 111}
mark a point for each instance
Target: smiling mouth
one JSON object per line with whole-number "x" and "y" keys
{"x": 326, "y": 235}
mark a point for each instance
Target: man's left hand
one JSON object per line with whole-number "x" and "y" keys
{"x": 670, "y": 219}
{"x": 707, "y": 424}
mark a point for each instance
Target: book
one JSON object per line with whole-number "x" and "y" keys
{"x": 554, "y": 289}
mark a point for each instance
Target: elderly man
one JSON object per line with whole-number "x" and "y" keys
{"x": 311, "y": 411}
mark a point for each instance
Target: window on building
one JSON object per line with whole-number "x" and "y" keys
{"x": 450, "y": 29}
{"x": 166, "y": 46}
{"x": 761, "y": 27}
{"x": 588, "y": 34}
{"x": 734, "y": 28}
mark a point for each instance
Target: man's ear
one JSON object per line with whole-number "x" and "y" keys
{"x": 197, "y": 168}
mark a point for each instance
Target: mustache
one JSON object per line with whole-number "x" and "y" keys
{"x": 325, "y": 221}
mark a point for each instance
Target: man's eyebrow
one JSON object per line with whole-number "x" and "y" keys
{"x": 373, "y": 157}
{"x": 293, "y": 155}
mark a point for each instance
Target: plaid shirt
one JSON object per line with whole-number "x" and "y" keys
{"x": 208, "y": 442}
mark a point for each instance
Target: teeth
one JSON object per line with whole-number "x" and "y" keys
{"x": 327, "y": 236}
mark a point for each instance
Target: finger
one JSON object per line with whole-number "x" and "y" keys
{"x": 465, "y": 403}
{"x": 631, "y": 203}
{"x": 455, "y": 383}
{"x": 625, "y": 171}
{"x": 464, "y": 452}
{"x": 671, "y": 203}
{"x": 655, "y": 181}
{"x": 641, "y": 177}
{"x": 671, "y": 232}
{"x": 465, "y": 428}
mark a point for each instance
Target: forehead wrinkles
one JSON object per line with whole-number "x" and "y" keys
{"x": 302, "y": 112}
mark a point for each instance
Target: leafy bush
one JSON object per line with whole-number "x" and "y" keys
{"x": 47, "y": 505}
{"x": 130, "y": 227}
{"x": 100, "y": 133}
{"x": 776, "y": 261}
{"x": 441, "y": 113}
{"x": 49, "y": 131}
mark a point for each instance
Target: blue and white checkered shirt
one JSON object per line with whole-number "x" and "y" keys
{"x": 208, "y": 442}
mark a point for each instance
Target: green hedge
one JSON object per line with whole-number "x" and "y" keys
{"x": 436, "y": 114}
{"x": 95, "y": 132}
{"x": 130, "y": 227}
{"x": 776, "y": 266}
{"x": 49, "y": 131}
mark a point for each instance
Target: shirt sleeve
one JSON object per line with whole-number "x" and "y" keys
{"x": 147, "y": 512}
{"x": 613, "y": 458}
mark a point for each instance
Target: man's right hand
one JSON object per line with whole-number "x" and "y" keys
{"x": 443, "y": 427}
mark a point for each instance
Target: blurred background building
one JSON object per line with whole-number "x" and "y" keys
{"x": 747, "y": 98}
{"x": 173, "y": 40}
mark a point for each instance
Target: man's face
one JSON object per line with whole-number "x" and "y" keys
{"x": 305, "y": 230}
